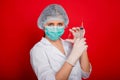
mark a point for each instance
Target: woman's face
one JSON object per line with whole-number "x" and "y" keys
{"x": 54, "y": 29}
{"x": 56, "y": 23}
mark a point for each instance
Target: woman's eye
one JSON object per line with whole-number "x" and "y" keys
{"x": 50, "y": 24}
{"x": 60, "y": 24}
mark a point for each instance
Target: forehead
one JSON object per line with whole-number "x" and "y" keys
{"x": 55, "y": 21}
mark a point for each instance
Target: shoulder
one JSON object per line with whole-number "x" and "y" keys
{"x": 39, "y": 45}
{"x": 37, "y": 49}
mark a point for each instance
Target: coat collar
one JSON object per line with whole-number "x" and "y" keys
{"x": 46, "y": 42}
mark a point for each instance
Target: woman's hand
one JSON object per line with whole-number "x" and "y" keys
{"x": 78, "y": 48}
{"x": 79, "y": 45}
{"x": 77, "y": 33}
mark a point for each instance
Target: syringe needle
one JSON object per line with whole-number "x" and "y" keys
{"x": 82, "y": 24}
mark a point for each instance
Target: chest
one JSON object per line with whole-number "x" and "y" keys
{"x": 60, "y": 47}
{"x": 57, "y": 59}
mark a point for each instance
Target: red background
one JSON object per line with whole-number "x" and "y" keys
{"x": 19, "y": 32}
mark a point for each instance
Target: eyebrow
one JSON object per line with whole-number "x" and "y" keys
{"x": 52, "y": 23}
{"x": 60, "y": 23}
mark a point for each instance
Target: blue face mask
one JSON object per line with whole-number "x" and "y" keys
{"x": 54, "y": 32}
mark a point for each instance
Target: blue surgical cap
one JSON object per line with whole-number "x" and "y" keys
{"x": 53, "y": 11}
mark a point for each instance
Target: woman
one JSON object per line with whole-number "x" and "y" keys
{"x": 53, "y": 58}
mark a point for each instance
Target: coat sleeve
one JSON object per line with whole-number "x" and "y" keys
{"x": 40, "y": 64}
{"x": 86, "y": 75}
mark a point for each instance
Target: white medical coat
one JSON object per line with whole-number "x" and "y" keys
{"x": 46, "y": 60}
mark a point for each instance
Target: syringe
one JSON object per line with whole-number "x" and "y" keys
{"x": 81, "y": 34}
{"x": 81, "y": 27}
{"x": 82, "y": 31}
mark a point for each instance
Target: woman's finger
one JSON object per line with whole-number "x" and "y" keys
{"x": 73, "y": 32}
{"x": 77, "y": 29}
